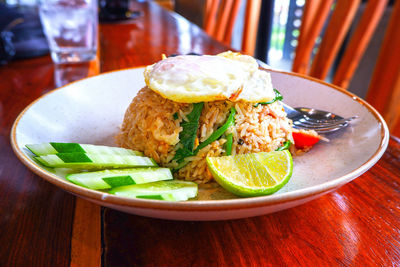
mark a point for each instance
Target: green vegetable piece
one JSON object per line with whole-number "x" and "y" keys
{"x": 94, "y": 161}
{"x": 119, "y": 180}
{"x": 173, "y": 190}
{"x": 157, "y": 197}
{"x": 67, "y": 147}
{"x": 285, "y": 146}
{"x": 74, "y": 157}
{"x": 180, "y": 166}
{"x": 219, "y": 132}
{"x": 175, "y": 116}
{"x": 214, "y": 136}
{"x": 188, "y": 134}
{"x": 42, "y": 149}
{"x": 228, "y": 144}
{"x": 54, "y": 148}
{"x": 277, "y": 97}
{"x": 41, "y": 161}
{"x": 107, "y": 179}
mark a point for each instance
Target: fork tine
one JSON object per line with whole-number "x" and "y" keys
{"x": 343, "y": 120}
{"x": 321, "y": 124}
{"x": 318, "y": 126}
{"x": 324, "y": 122}
{"x": 323, "y": 130}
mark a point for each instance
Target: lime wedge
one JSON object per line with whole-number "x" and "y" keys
{"x": 254, "y": 174}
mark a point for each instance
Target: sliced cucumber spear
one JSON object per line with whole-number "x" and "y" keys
{"x": 54, "y": 148}
{"x": 173, "y": 190}
{"x": 94, "y": 161}
{"x": 119, "y": 177}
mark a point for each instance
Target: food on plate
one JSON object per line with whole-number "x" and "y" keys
{"x": 93, "y": 161}
{"x": 253, "y": 174}
{"x": 194, "y": 79}
{"x": 150, "y": 182}
{"x": 204, "y": 118}
{"x": 305, "y": 140}
{"x": 173, "y": 190}
{"x": 194, "y": 107}
{"x": 110, "y": 178}
{"x": 54, "y": 148}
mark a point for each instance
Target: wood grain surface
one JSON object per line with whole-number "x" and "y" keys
{"x": 35, "y": 216}
{"x": 357, "y": 225}
{"x": 40, "y": 225}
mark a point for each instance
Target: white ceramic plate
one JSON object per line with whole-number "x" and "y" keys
{"x": 91, "y": 110}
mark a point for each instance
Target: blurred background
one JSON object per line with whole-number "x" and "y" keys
{"x": 278, "y": 30}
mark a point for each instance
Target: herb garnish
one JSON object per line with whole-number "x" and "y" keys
{"x": 285, "y": 146}
{"x": 175, "y": 116}
{"x": 188, "y": 133}
{"x": 228, "y": 144}
{"x": 219, "y": 132}
{"x": 187, "y": 149}
{"x": 277, "y": 97}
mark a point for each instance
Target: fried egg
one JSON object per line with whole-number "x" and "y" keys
{"x": 226, "y": 76}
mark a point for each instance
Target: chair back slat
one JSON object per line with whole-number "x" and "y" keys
{"x": 308, "y": 15}
{"x": 384, "y": 88}
{"x": 359, "y": 42}
{"x": 207, "y": 8}
{"x": 309, "y": 12}
{"x": 224, "y": 13}
{"x": 231, "y": 22}
{"x": 251, "y": 26}
{"x": 392, "y": 114}
{"x": 316, "y": 16}
{"x": 220, "y": 17}
{"x": 210, "y": 16}
{"x": 337, "y": 28}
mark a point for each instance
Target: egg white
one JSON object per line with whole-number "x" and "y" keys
{"x": 227, "y": 76}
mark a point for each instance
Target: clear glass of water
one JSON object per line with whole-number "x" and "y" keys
{"x": 71, "y": 28}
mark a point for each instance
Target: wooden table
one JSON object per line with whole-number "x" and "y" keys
{"x": 41, "y": 225}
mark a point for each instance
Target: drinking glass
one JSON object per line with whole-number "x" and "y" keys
{"x": 71, "y": 28}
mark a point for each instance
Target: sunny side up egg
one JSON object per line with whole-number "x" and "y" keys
{"x": 226, "y": 76}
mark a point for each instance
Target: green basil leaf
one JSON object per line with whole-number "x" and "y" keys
{"x": 182, "y": 153}
{"x": 228, "y": 144}
{"x": 219, "y": 132}
{"x": 188, "y": 134}
{"x": 277, "y": 97}
{"x": 285, "y": 146}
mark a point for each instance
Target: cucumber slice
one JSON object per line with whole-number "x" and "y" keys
{"x": 94, "y": 161}
{"x": 119, "y": 177}
{"x": 54, "y": 148}
{"x": 174, "y": 190}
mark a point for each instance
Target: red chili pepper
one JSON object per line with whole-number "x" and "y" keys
{"x": 304, "y": 139}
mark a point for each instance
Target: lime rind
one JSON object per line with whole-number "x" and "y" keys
{"x": 256, "y": 163}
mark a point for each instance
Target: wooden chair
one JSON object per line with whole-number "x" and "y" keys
{"x": 384, "y": 89}
{"x": 220, "y": 17}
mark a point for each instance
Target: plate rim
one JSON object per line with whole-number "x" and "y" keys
{"x": 205, "y": 205}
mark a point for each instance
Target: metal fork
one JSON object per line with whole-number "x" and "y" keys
{"x": 317, "y": 120}
{"x": 312, "y": 119}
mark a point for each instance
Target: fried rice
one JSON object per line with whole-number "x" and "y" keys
{"x": 152, "y": 125}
